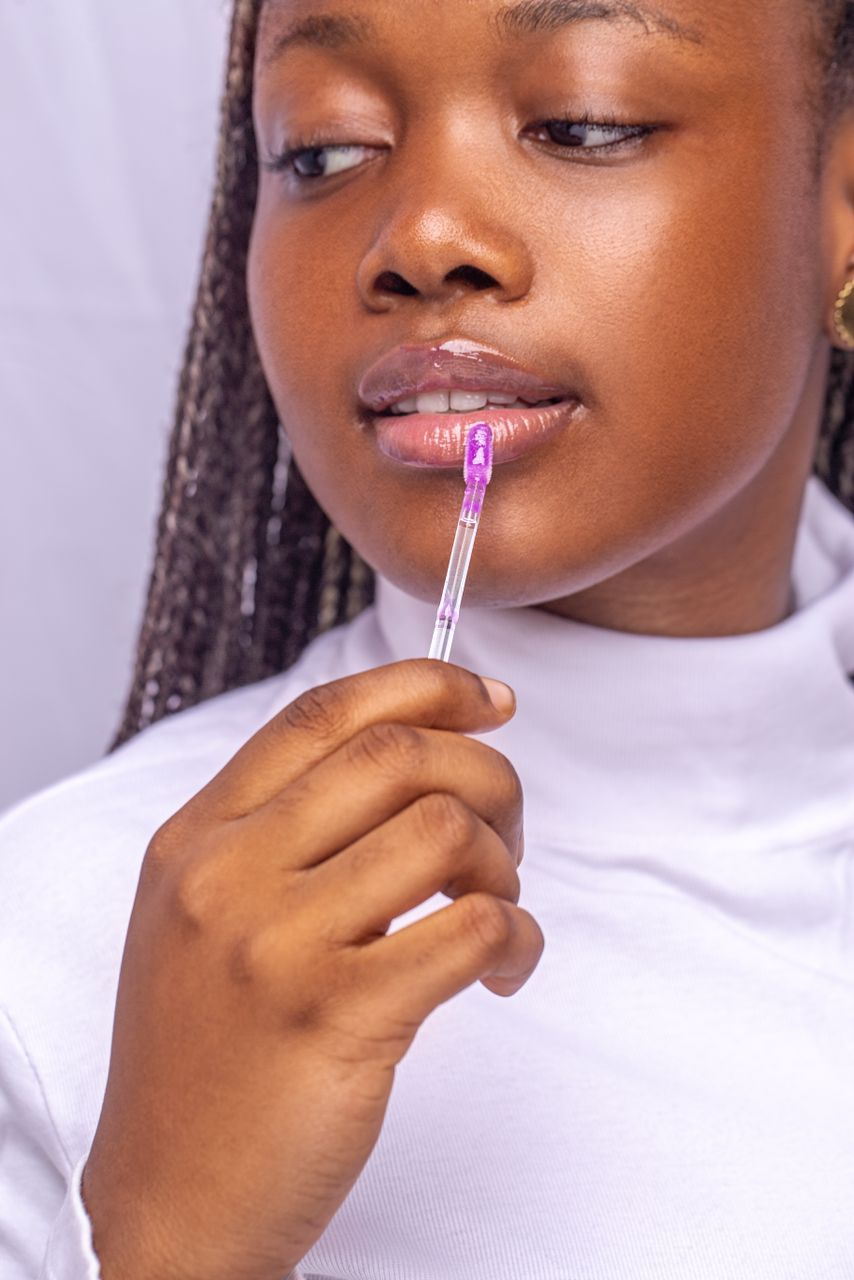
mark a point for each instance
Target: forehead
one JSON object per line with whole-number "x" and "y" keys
{"x": 696, "y": 21}
{"x": 772, "y": 42}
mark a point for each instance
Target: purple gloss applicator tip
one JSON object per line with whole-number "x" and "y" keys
{"x": 477, "y": 473}
{"x": 478, "y": 460}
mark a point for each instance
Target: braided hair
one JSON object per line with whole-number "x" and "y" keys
{"x": 247, "y": 567}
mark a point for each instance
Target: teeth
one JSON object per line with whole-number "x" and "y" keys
{"x": 461, "y": 402}
{"x": 433, "y": 401}
{"x": 498, "y": 397}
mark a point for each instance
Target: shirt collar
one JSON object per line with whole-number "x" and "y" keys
{"x": 647, "y": 741}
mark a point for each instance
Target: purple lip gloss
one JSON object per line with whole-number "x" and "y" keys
{"x": 477, "y": 473}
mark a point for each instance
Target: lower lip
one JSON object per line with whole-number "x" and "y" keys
{"x": 439, "y": 439}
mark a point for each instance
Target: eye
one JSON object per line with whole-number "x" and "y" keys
{"x": 588, "y": 135}
{"x": 306, "y": 163}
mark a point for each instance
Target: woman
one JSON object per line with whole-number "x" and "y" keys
{"x": 639, "y": 223}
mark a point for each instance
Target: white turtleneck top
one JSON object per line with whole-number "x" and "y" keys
{"x": 671, "y": 1094}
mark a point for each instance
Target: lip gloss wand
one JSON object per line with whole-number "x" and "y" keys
{"x": 477, "y": 473}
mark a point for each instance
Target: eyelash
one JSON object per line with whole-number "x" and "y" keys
{"x": 282, "y": 161}
{"x": 634, "y": 132}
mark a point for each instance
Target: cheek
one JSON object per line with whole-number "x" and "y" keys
{"x": 698, "y": 300}
{"x": 296, "y": 302}
{"x": 287, "y": 318}
{"x": 299, "y": 305}
{"x": 702, "y": 293}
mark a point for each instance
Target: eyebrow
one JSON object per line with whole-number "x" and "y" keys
{"x": 526, "y": 17}
{"x": 531, "y": 16}
{"x": 323, "y": 31}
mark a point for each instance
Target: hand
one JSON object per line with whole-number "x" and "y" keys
{"x": 262, "y": 1006}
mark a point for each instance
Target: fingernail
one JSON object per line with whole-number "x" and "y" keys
{"x": 501, "y": 694}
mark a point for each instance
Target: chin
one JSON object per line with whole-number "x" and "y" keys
{"x": 488, "y": 586}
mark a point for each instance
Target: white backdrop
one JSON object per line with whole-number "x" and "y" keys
{"x": 108, "y": 113}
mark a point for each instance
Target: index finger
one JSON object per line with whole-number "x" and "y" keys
{"x": 416, "y": 691}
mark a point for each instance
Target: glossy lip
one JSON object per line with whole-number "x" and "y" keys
{"x": 438, "y": 439}
{"x": 457, "y": 364}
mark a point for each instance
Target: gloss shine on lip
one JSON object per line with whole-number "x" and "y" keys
{"x": 425, "y": 399}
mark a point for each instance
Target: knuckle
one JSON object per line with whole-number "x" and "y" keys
{"x": 320, "y": 711}
{"x": 165, "y": 839}
{"x": 199, "y": 892}
{"x": 257, "y": 963}
{"x": 163, "y": 849}
{"x": 446, "y": 820}
{"x": 486, "y": 918}
{"x": 515, "y": 887}
{"x": 189, "y": 896}
{"x": 250, "y": 960}
{"x": 511, "y": 782}
{"x": 394, "y": 748}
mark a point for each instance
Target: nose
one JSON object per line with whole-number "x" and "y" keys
{"x": 443, "y": 249}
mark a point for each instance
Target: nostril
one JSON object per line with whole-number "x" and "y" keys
{"x": 472, "y": 275}
{"x": 391, "y": 282}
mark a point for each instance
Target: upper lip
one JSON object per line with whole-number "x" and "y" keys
{"x": 461, "y": 363}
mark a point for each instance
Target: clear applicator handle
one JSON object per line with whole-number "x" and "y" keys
{"x": 477, "y": 472}
{"x": 458, "y": 567}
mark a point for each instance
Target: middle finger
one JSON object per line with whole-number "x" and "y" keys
{"x": 373, "y": 776}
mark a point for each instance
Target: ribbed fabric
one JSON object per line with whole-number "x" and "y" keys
{"x": 669, "y": 1097}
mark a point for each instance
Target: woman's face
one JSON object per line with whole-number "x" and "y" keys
{"x": 664, "y": 271}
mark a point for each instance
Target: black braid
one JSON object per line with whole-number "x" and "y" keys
{"x": 247, "y": 568}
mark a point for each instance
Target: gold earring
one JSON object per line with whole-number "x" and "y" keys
{"x": 843, "y": 316}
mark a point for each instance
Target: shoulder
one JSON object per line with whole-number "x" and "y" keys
{"x": 70, "y": 858}
{"x": 70, "y": 855}
{"x": 74, "y": 839}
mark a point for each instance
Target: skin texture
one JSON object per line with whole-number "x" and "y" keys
{"x": 684, "y": 284}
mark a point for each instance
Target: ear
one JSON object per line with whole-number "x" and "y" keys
{"x": 838, "y": 224}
